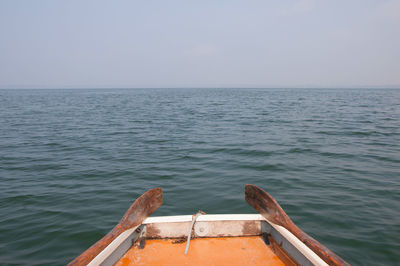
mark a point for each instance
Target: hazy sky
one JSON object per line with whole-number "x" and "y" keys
{"x": 199, "y": 43}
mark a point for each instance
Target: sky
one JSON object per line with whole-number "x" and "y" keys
{"x": 219, "y": 43}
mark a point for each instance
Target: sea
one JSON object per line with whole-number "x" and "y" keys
{"x": 72, "y": 161}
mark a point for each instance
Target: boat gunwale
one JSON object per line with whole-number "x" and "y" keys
{"x": 290, "y": 243}
{"x": 204, "y": 218}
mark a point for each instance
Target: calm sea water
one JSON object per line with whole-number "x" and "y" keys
{"x": 72, "y": 162}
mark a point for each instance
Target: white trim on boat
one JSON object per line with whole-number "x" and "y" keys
{"x": 208, "y": 225}
{"x": 294, "y": 246}
{"x": 117, "y": 248}
{"x": 204, "y": 218}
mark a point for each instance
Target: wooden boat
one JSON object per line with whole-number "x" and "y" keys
{"x": 267, "y": 238}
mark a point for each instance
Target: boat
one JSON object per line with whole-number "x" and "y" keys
{"x": 267, "y": 238}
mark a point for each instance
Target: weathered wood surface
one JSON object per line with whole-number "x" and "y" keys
{"x": 142, "y": 208}
{"x": 269, "y": 208}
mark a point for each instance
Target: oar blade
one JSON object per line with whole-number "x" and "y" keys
{"x": 269, "y": 208}
{"x": 142, "y": 208}
{"x": 266, "y": 205}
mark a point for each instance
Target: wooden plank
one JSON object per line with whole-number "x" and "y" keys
{"x": 219, "y": 228}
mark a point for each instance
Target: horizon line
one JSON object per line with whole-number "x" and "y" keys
{"x": 166, "y": 88}
{"x": 201, "y": 87}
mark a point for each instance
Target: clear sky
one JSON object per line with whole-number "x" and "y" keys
{"x": 298, "y": 43}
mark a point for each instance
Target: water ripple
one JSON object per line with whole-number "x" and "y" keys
{"x": 72, "y": 162}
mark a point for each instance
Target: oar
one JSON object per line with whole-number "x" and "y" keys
{"x": 142, "y": 208}
{"x": 267, "y": 206}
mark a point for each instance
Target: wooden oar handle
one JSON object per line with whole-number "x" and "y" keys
{"x": 96, "y": 248}
{"x": 142, "y": 208}
{"x": 323, "y": 252}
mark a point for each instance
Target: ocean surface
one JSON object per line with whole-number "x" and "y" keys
{"x": 72, "y": 161}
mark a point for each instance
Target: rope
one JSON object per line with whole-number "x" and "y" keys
{"x": 190, "y": 230}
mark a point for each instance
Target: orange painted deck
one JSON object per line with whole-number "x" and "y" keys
{"x": 203, "y": 251}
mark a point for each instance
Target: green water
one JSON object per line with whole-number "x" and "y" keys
{"x": 72, "y": 162}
